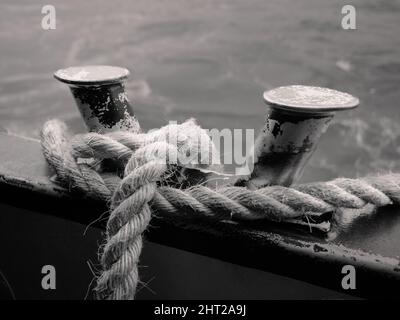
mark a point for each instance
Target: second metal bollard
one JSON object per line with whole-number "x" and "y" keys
{"x": 297, "y": 118}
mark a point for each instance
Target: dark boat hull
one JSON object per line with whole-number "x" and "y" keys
{"x": 183, "y": 257}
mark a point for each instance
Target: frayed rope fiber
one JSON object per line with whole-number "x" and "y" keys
{"x": 146, "y": 183}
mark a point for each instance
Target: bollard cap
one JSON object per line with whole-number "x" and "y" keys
{"x": 309, "y": 99}
{"x": 91, "y": 75}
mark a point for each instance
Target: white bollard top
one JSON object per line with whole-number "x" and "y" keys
{"x": 308, "y": 99}
{"x": 91, "y": 75}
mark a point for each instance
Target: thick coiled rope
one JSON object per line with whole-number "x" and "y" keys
{"x": 143, "y": 188}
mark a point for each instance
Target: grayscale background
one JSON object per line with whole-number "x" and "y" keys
{"x": 212, "y": 60}
{"x": 206, "y": 59}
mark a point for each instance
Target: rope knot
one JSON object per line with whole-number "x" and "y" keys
{"x": 151, "y": 180}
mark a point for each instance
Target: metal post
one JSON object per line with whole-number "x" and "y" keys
{"x": 100, "y": 95}
{"x": 297, "y": 117}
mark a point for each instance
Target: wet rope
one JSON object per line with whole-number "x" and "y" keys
{"x": 144, "y": 188}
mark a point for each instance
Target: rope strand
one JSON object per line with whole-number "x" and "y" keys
{"x": 148, "y": 160}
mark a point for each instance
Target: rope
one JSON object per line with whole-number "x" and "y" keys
{"x": 149, "y": 166}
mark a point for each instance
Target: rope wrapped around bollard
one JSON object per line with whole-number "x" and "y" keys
{"x": 148, "y": 184}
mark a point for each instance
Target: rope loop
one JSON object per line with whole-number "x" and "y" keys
{"x": 153, "y": 163}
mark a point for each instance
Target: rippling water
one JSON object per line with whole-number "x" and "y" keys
{"x": 212, "y": 60}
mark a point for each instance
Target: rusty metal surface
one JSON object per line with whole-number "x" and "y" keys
{"x": 284, "y": 146}
{"x": 370, "y": 245}
{"x": 296, "y": 119}
{"x": 99, "y": 93}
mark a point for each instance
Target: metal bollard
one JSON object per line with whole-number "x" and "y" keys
{"x": 99, "y": 93}
{"x": 297, "y": 118}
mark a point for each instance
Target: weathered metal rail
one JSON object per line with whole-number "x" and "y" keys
{"x": 371, "y": 245}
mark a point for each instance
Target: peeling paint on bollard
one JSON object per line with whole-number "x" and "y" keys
{"x": 100, "y": 95}
{"x": 297, "y": 118}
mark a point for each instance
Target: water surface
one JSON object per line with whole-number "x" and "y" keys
{"x": 212, "y": 60}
